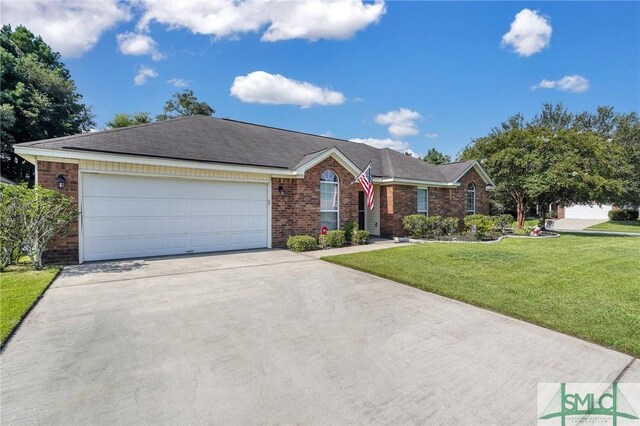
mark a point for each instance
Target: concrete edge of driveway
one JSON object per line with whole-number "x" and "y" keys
{"x": 632, "y": 357}
{"x": 595, "y": 232}
{"x": 26, "y": 313}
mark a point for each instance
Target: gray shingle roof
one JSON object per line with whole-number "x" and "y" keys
{"x": 209, "y": 139}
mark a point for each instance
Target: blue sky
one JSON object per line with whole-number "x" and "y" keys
{"x": 401, "y": 74}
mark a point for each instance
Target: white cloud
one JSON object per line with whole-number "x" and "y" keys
{"x": 71, "y": 27}
{"x": 144, "y": 73}
{"x": 264, "y": 88}
{"x": 283, "y": 20}
{"x": 396, "y": 145}
{"x": 401, "y": 122}
{"x": 431, "y": 135}
{"x": 179, "y": 82}
{"x": 569, "y": 83}
{"x": 529, "y": 33}
{"x": 139, "y": 44}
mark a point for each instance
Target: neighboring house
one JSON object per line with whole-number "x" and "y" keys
{"x": 585, "y": 211}
{"x": 201, "y": 184}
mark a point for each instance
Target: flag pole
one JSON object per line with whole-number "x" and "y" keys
{"x": 358, "y": 177}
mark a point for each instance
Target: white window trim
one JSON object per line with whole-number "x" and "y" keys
{"x": 337, "y": 211}
{"x": 426, "y": 212}
{"x": 466, "y": 199}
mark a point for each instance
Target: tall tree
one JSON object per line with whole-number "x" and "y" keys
{"x": 126, "y": 120}
{"x": 183, "y": 104}
{"x": 38, "y": 98}
{"x": 556, "y": 164}
{"x": 436, "y": 157}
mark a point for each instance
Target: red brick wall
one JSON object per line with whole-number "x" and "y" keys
{"x": 397, "y": 201}
{"x": 450, "y": 202}
{"x": 298, "y": 210}
{"x": 62, "y": 249}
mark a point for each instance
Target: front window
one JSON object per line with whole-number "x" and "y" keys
{"x": 329, "y": 197}
{"x": 423, "y": 201}
{"x": 471, "y": 199}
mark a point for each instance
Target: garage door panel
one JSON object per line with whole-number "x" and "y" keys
{"x": 582, "y": 211}
{"x": 130, "y": 216}
{"x": 100, "y": 227}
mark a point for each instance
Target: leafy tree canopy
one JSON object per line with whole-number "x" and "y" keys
{"x": 559, "y": 157}
{"x": 126, "y": 120}
{"x": 183, "y": 104}
{"x": 38, "y": 98}
{"x": 436, "y": 157}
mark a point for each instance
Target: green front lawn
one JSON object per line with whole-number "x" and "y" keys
{"x": 621, "y": 226}
{"x": 584, "y": 285}
{"x": 20, "y": 287}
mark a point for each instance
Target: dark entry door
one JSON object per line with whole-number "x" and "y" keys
{"x": 361, "y": 211}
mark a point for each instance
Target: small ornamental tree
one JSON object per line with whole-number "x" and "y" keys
{"x": 11, "y": 233}
{"x": 36, "y": 215}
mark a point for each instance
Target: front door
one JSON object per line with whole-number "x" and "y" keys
{"x": 362, "y": 216}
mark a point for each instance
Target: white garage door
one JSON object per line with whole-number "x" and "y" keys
{"x": 580, "y": 211}
{"x": 126, "y": 216}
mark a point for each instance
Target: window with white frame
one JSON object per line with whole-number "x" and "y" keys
{"x": 423, "y": 201}
{"x": 329, "y": 199}
{"x": 471, "y": 198}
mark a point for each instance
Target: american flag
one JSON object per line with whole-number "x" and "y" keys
{"x": 366, "y": 181}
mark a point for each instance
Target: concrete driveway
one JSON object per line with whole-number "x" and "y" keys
{"x": 275, "y": 337}
{"x": 575, "y": 224}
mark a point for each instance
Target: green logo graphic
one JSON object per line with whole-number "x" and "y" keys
{"x": 611, "y": 403}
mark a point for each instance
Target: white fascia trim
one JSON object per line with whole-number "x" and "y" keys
{"x": 333, "y": 152}
{"x": 29, "y": 154}
{"x": 483, "y": 174}
{"x": 412, "y": 182}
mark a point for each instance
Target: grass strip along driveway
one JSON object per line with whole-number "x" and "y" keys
{"x": 621, "y": 226}
{"x": 20, "y": 287}
{"x": 584, "y": 285}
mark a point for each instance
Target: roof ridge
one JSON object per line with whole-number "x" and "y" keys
{"x": 455, "y": 162}
{"x": 286, "y": 130}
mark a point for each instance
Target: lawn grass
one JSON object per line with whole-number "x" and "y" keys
{"x": 584, "y": 285}
{"x": 620, "y": 226}
{"x": 20, "y": 287}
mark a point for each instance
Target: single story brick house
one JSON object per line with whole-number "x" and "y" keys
{"x": 202, "y": 184}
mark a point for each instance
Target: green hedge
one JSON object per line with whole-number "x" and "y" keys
{"x": 350, "y": 227}
{"x": 360, "y": 237}
{"x": 301, "y": 243}
{"x": 484, "y": 225}
{"x": 623, "y": 214}
{"x": 421, "y": 226}
{"x": 333, "y": 239}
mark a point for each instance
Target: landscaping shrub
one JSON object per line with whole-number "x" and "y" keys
{"x": 31, "y": 217}
{"x": 301, "y": 243}
{"x": 502, "y": 223}
{"x": 617, "y": 215}
{"x": 450, "y": 226}
{"x": 484, "y": 225}
{"x": 415, "y": 225}
{"x": 333, "y": 239}
{"x": 360, "y": 237}
{"x": 623, "y": 214}
{"x": 433, "y": 227}
{"x": 349, "y": 227}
